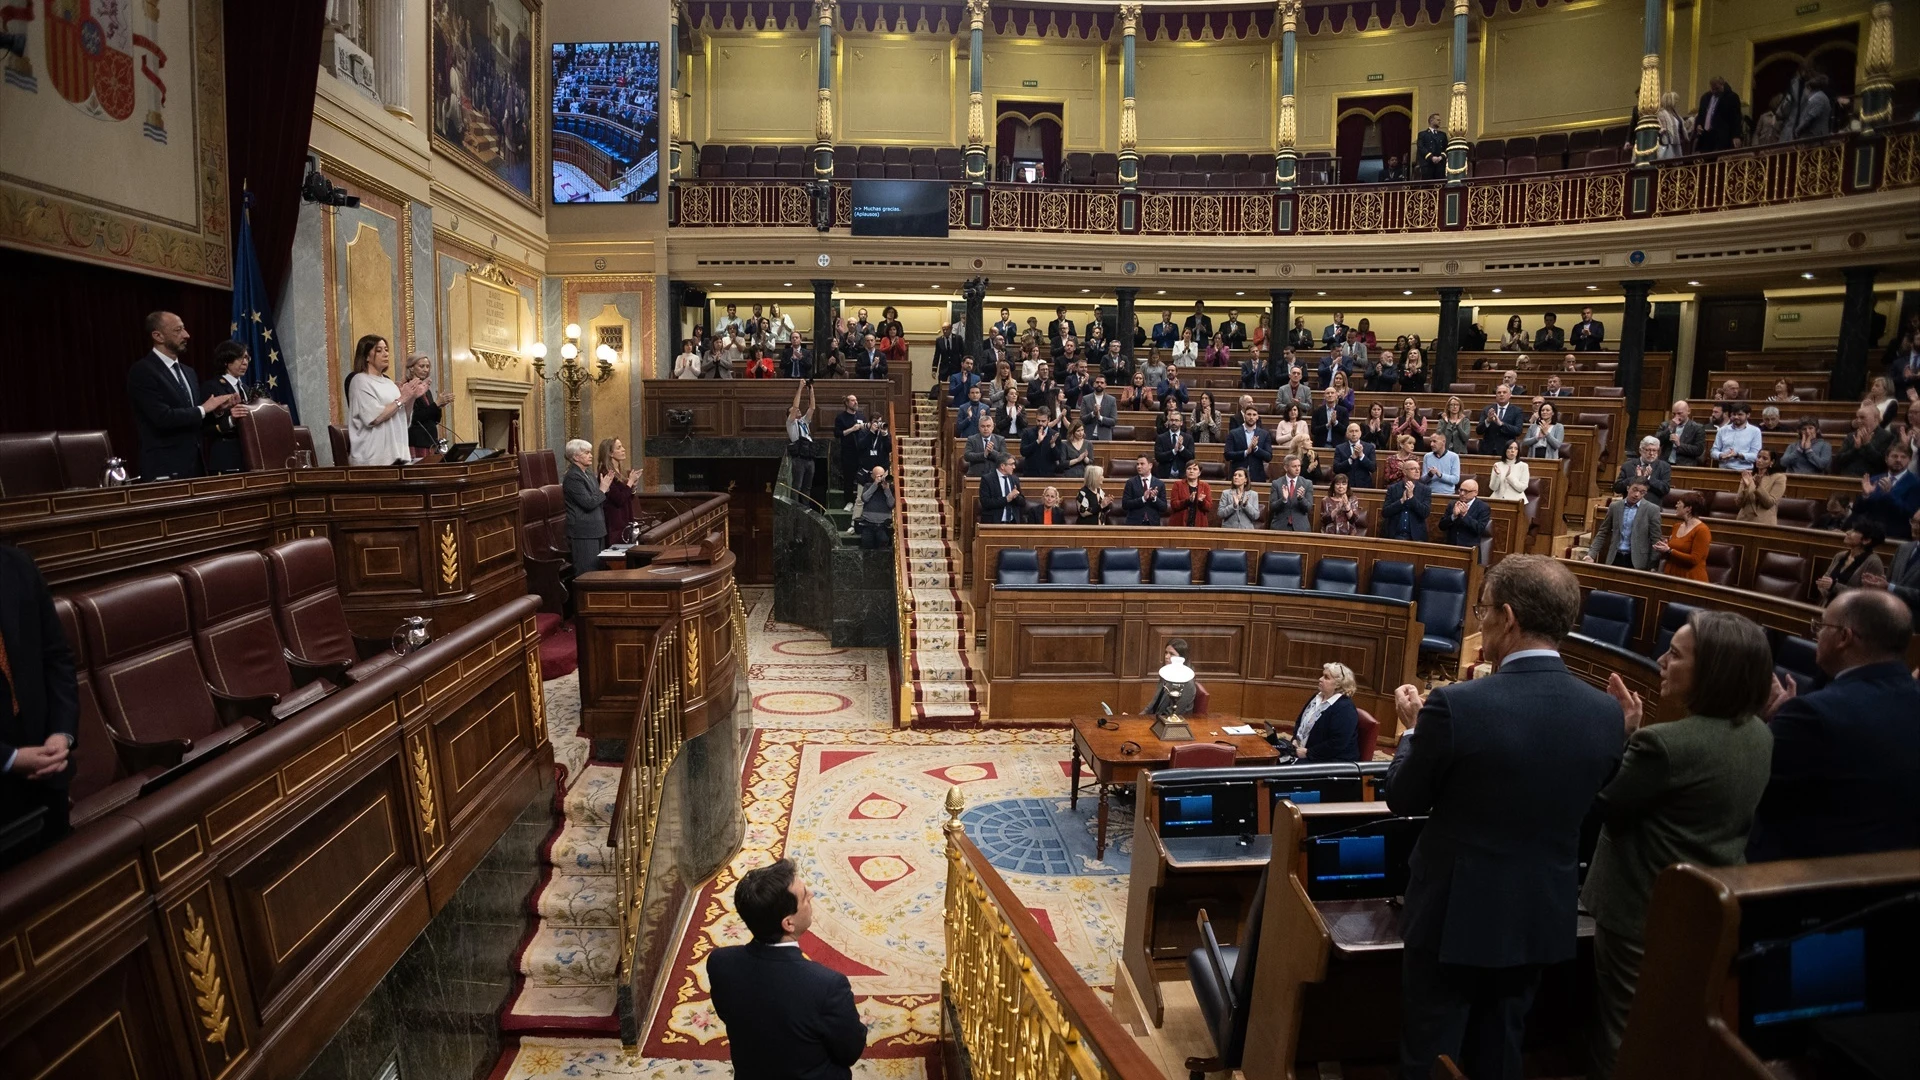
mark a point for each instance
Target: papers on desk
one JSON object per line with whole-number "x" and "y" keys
{"x": 1236, "y": 729}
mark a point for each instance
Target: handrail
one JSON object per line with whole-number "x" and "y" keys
{"x": 1019, "y": 1008}
{"x": 902, "y": 579}
{"x": 658, "y": 733}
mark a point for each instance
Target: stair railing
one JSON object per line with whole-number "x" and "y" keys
{"x": 902, "y": 579}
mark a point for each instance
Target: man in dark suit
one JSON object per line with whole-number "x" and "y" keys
{"x": 1099, "y": 411}
{"x": 1846, "y": 758}
{"x": 1249, "y": 447}
{"x": 1431, "y": 150}
{"x": 869, "y": 362}
{"x": 168, "y": 411}
{"x": 786, "y": 1015}
{"x": 982, "y": 448}
{"x": 1174, "y": 448}
{"x": 1903, "y": 580}
{"x": 850, "y": 427}
{"x": 948, "y": 348}
{"x": 1000, "y": 500}
{"x": 1404, "y": 517}
{"x": 1145, "y": 499}
{"x": 1716, "y": 125}
{"x": 1469, "y": 518}
{"x": 1328, "y": 424}
{"x": 1505, "y": 768}
{"x": 1006, "y": 327}
{"x": 1589, "y": 333}
{"x": 1040, "y": 446}
{"x": 1059, "y": 330}
{"x": 1234, "y": 331}
{"x": 1648, "y": 469}
{"x": 1201, "y": 324}
{"x": 1353, "y": 458}
{"x": 1291, "y": 505}
{"x": 1682, "y": 440}
{"x": 39, "y": 702}
{"x": 1501, "y": 423}
{"x": 960, "y": 382}
{"x": 1549, "y": 337}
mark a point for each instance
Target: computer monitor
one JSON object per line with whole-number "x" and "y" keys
{"x": 1360, "y": 862}
{"x": 1810, "y": 959}
{"x": 1211, "y": 809}
{"x": 1322, "y": 789}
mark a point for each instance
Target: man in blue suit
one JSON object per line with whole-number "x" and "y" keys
{"x": 1354, "y": 459}
{"x": 960, "y": 382}
{"x": 1404, "y": 516}
{"x": 1249, "y": 447}
{"x": 1505, "y": 768}
{"x": 1469, "y": 518}
{"x": 1846, "y": 758}
{"x": 786, "y": 1015}
{"x": 1145, "y": 498}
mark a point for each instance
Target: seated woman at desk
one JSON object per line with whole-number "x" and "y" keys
{"x": 1329, "y": 725}
{"x": 1177, "y": 676}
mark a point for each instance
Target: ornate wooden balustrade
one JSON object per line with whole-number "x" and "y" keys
{"x": 1776, "y": 175}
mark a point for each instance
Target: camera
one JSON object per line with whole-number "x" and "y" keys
{"x": 316, "y": 188}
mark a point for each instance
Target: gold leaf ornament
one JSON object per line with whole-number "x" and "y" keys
{"x": 203, "y": 971}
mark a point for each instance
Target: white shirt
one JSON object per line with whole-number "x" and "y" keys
{"x": 1186, "y": 353}
{"x": 382, "y": 442}
{"x": 176, "y": 371}
{"x": 1528, "y": 654}
{"x": 1309, "y": 716}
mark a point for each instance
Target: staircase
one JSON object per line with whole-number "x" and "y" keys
{"x": 944, "y": 686}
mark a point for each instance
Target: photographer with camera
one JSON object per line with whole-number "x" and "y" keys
{"x": 874, "y": 522}
{"x": 800, "y": 437}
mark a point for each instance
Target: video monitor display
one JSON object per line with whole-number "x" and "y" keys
{"x": 899, "y": 208}
{"x": 606, "y": 122}
{"x": 1362, "y": 862}
{"x": 1814, "y": 965}
{"x": 1210, "y": 810}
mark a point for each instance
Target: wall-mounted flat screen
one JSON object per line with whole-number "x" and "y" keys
{"x": 899, "y": 208}
{"x": 606, "y": 122}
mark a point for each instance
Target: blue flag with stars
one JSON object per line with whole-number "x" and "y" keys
{"x": 253, "y": 322}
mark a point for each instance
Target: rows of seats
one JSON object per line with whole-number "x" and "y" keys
{"x": 1248, "y": 169}
{"x": 620, "y": 142}
{"x": 1523, "y": 154}
{"x": 544, "y": 548}
{"x": 791, "y": 162}
{"x": 44, "y": 462}
{"x": 1439, "y": 591}
{"x": 1609, "y": 618}
{"x": 176, "y": 666}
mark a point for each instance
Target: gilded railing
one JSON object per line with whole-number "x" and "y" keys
{"x": 1015, "y": 1005}
{"x": 902, "y": 580}
{"x": 658, "y": 731}
{"x": 1774, "y": 175}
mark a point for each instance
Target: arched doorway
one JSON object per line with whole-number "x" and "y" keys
{"x": 1832, "y": 52}
{"x": 1370, "y": 129}
{"x": 1026, "y": 147}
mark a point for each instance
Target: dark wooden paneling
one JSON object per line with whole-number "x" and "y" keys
{"x": 620, "y": 611}
{"x": 109, "y": 1022}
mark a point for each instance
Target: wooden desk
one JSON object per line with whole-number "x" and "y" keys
{"x": 1102, "y": 749}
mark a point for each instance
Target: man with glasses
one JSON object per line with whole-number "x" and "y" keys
{"x": 1846, "y": 758}
{"x": 1505, "y": 768}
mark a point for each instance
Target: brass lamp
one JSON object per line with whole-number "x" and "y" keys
{"x": 573, "y": 374}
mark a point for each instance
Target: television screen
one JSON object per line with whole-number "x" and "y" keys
{"x": 899, "y": 208}
{"x": 606, "y": 122}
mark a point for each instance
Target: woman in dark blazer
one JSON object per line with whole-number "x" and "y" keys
{"x": 1686, "y": 791}
{"x": 1329, "y": 724}
{"x": 423, "y": 430}
{"x": 586, "y": 497}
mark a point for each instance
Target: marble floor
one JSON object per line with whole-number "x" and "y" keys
{"x": 859, "y": 806}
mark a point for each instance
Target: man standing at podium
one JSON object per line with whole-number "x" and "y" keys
{"x": 1505, "y": 768}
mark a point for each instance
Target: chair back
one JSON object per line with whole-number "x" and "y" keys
{"x": 1673, "y": 616}
{"x": 306, "y": 601}
{"x": 1782, "y": 574}
{"x": 1793, "y": 658}
{"x": 1280, "y": 570}
{"x": 1722, "y": 560}
{"x": 1610, "y": 617}
{"x": 1367, "y": 733}
{"x": 1336, "y": 575}
{"x": 337, "y": 442}
{"x": 234, "y": 633}
{"x": 1172, "y": 566}
{"x": 1442, "y": 599}
{"x": 1120, "y": 566}
{"x": 148, "y": 676}
{"x": 1227, "y": 568}
{"x": 1067, "y": 566}
{"x": 1391, "y": 579}
{"x": 1200, "y": 698}
{"x": 1018, "y": 566}
{"x": 29, "y": 464}
{"x": 266, "y": 437}
{"x": 1201, "y": 755}
{"x": 95, "y": 763}
{"x": 83, "y": 457}
{"x": 303, "y": 440}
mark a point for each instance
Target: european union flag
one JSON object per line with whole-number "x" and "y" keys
{"x": 253, "y": 321}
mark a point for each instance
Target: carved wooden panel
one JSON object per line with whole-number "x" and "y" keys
{"x": 472, "y": 737}
{"x": 109, "y": 1021}
{"x": 294, "y": 897}
{"x": 203, "y": 962}
{"x": 375, "y": 560}
{"x": 763, "y": 419}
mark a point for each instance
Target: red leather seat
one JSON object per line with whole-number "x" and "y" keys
{"x": 1200, "y": 755}
{"x": 303, "y": 440}
{"x": 148, "y": 676}
{"x": 1782, "y": 574}
{"x": 83, "y": 457}
{"x": 313, "y": 622}
{"x": 1723, "y": 504}
{"x": 545, "y": 568}
{"x": 1722, "y": 560}
{"x": 101, "y": 780}
{"x": 1200, "y": 698}
{"x": 266, "y": 437}
{"x": 1800, "y": 512}
{"x": 337, "y": 441}
{"x": 1368, "y": 730}
{"x": 29, "y": 464}
{"x": 234, "y": 632}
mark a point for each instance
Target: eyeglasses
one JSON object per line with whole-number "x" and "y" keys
{"x": 1817, "y": 624}
{"x": 1480, "y": 610}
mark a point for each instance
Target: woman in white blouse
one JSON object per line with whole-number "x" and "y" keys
{"x": 1510, "y": 476}
{"x": 1186, "y": 353}
{"x": 1544, "y": 436}
{"x": 378, "y": 411}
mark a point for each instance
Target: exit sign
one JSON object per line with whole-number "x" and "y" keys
{"x": 1381, "y": 77}
{"x": 1787, "y": 316}
{"x": 1036, "y": 82}
{"x": 1806, "y": 9}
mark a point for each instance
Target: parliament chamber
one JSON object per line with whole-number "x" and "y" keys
{"x": 1297, "y": 538}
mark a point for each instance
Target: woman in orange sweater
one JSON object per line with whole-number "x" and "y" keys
{"x": 1686, "y": 550}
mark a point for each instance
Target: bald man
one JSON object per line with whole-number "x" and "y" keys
{"x": 168, "y": 411}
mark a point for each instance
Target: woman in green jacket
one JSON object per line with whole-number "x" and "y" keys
{"x": 1686, "y": 792}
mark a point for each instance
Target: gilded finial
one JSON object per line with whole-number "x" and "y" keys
{"x": 956, "y": 802}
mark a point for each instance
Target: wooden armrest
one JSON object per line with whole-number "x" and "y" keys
{"x": 371, "y": 647}
{"x": 306, "y": 671}
{"x": 234, "y": 708}
{"x": 138, "y": 757}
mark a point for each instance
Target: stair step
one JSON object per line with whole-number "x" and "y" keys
{"x": 571, "y": 956}
{"x": 590, "y": 799}
{"x": 580, "y": 900}
{"x": 581, "y": 849}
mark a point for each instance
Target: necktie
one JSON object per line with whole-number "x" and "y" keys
{"x": 6, "y": 669}
{"x": 180, "y": 375}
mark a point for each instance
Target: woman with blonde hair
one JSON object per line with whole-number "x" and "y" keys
{"x": 1328, "y": 728}
{"x": 1673, "y": 131}
{"x": 1094, "y": 499}
{"x": 611, "y": 460}
{"x": 1456, "y": 425}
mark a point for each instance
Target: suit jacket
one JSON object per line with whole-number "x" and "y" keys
{"x": 1726, "y": 121}
{"x": 1470, "y": 528}
{"x": 41, "y": 661}
{"x": 1505, "y": 768}
{"x": 1326, "y": 432}
{"x": 1254, "y": 455}
{"x": 1550, "y": 337}
{"x": 1659, "y": 477}
{"x": 1035, "y": 513}
{"x": 1428, "y": 143}
{"x": 1646, "y": 531}
{"x": 1499, "y": 430}
{"x": 1287, "y": 395}
{"x": 1140, "y": 509}
{"x": 1098, "y": 422}
{"x": 1169, "y": 462}
{"x": 1355, "y": 461}
{"x": 1846, "y": 761}
{"x": 1058, "y": 331}
{"x": 1685, "y": 792}
{"x": 167, "y": 417}
{"x": 1336, "y": 735}
{"x": 1235, "y": 332}
{"x": 1414, "y": 510}
{"x": 585, "y": 518}
{"x": 1686, "y": 444}
{"x": 1040, "y": 450}
{"x": 957, "y": 386}
{"x": 1904, "y": 578}
{"x": 1589, "y": 334}
{"x": 1295, "y": 514}
{"x": 998, "y": 510}
{"x": 980, "y": 452}
{"x": 1202, "y": 327}
{"x": 786, "y": 1016}
{"x": 947, "y": 351}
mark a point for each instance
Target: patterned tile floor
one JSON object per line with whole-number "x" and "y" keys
{"x": 858, "y": 805}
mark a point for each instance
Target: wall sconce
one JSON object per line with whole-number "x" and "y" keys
{"x": 572, "y": 374}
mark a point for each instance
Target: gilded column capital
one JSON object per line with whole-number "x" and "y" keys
{"x": 1457, "y": 112}
{"x": 1876, "y": 61}
{"x": 1460, "y": 7}
{"x": 1289, "y": 15}
{"x": 976, "y": 14}
{"x": 823, "y": 117}
{"x": 1649, "y": 86}
{"x": 1287, "y": 134}
{"x": 1130, "y": 19}
{"x": 825, "y": 10}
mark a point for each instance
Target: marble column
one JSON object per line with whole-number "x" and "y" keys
{"x": 1286, "y": 158}
{"x": 1876, "y": 69}
{"x": 1445, "y": 362}
{"x": 1129, "y": 126}
{"x": 1457, "y": 101}
{"x": 823, "y": 121}
{"x": 389, "y": 40}
{"x": 1633, "y": 352}
{"x": 674, "y": 63}
{"x": 976, "y": 160}
{"x": 1856, "y": 334}
{"x": 1646, "y": 132}
{"x": 1280, "y": 320}
{"x": 1124, "y": 318}
{"x": 822, "y": 321}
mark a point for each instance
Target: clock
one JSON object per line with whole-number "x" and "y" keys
{"x": 825, "y": 260}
